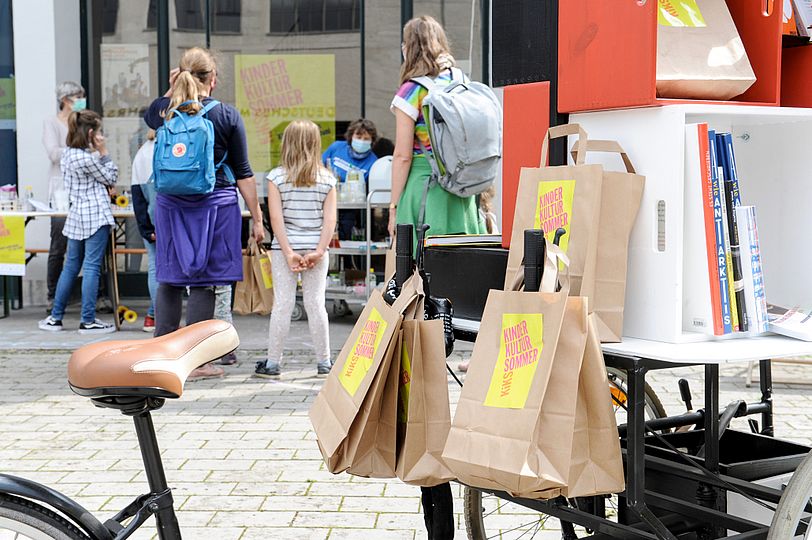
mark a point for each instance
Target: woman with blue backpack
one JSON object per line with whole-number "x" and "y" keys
{"x": 200, "y": 162}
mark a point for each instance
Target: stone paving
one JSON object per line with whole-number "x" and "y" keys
{"x": 239, "y": 452}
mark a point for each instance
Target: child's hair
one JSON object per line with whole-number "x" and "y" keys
{"x": 301, "y": 152}
{"x": 197, "y": 67}
{"x": 79, "y": 125}
{"x": 426, "y": 48}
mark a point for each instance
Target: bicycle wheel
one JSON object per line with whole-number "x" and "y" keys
{"x": 791, "y": 520}
{"x": 487, "y": 516}
{"x": 21, "y": 519}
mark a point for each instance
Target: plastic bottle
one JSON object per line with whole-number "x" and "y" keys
{"x": 372, "y": 281}
{"x": 25, "y": 199}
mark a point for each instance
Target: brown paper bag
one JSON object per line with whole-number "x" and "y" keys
{"x": 620, "y": 202}
{"x": 244, "y": 290}
{"x": 263, "y": 279}
{"x": 370, "y": 450}
{"x": 424, "y": 413}
{"x": 342, "y": 397}
{"x": 596, "y": 466}
{"x": 568, "y": 197}
{"x": 495, "y": 439}
{"x": 699, "y": 52}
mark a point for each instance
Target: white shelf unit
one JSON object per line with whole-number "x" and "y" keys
{"x": 773, "y": 153}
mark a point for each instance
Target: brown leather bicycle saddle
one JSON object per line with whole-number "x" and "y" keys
{"x": 155, "y": 367}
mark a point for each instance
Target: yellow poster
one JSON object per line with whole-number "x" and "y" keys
{"x": 267, "y": 274}
{"x": 405, "y": 384}
{"x": 12, "y": 246}
{"x": 520, "y": 345}
{"x": 7, "y": 100}
{"x": 683, "y": 13}
{"x": 554, "y": 209}
{"x": 362, "y": 353}
{"x": 274, "y": 89}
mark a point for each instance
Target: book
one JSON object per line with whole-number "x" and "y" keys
{"x": 463, "y": 240}
{"x": 727, "y": 160}
{"x": 792, "y": 322}
{"x": 723, "y": 251}
{"x": 752, "y": 274}
{"x": 701, "y": 304}
{"x": 802, "y": 10}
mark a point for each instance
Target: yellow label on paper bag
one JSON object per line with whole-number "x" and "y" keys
{"x": 554, "y": 209}
{"x": 12, "y": 246}
{"x": 520, "y": 345}
{"x": 267, "y": 275}
{"x": 363, "y": 351}
{"x": 405, "y": 385}
{"x": 680, "y": 13}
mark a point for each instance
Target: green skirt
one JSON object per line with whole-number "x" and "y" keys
{"x": 445, "y": 212}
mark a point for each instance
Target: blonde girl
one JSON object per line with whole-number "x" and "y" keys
{"x": 302, "y": 204}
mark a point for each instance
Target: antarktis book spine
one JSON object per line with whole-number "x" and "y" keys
{"x": 721, "y": 251}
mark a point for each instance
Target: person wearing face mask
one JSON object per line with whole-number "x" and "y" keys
{"x": 355, "y": 152}
{"x": 70, "y": 96}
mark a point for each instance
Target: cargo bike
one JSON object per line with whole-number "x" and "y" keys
{"x": 688, "y": 476}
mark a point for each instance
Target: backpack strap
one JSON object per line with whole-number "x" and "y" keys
{"x": 435, "y": 175}
{"x": 425, "y": 81}
{"x": 209, "y": 106}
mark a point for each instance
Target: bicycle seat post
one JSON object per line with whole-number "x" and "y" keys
{"x": 167, "y": 522}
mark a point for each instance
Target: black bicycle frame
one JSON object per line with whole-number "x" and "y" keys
{"x": 157, "y": 502}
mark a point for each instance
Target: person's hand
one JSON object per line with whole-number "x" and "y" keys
{"x": 392, "y": 221}
{"x": 312, "y": 258}
{"x": 296, "y": 262}
{"x": 173, "y": 76}
{"x": 152, "y": 238}
{"x": 100, "y": 144}
{"x": 258, "y": 231}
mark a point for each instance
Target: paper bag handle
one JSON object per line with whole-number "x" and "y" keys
{"x": 557, "y": 132}
{"x": 595, "y": 145}
{"x": 251, "y": 248}
{"x": 551, "y": 275}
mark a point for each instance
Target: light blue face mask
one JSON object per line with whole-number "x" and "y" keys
{"x": 79, "y": 104}
{"x": 361, "y": 146}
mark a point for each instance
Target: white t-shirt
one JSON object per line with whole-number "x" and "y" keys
{"x": 302, "y": 209}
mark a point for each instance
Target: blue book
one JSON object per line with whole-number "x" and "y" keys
{"x": 719, "y": 229}
{"x": 732, "y": 200}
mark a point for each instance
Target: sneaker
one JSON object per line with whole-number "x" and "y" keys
{"x": 323, "y": 368}
{"x": 50, "y": 324}
{"x": 149, "y": 324}
{"x": 96, "y": 327}
{"x": 206, "y": 371}
{"x": 228, "y": 360}
{"x": 266, "y": 370}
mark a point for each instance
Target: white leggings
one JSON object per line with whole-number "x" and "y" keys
{"x": 314, "y": 283}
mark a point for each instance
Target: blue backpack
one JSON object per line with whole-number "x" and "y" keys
{"x": 183, "y": 161}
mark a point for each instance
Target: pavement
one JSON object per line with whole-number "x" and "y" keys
{"x": 239, "y": 452}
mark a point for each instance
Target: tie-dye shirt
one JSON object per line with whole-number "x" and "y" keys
{"x": 409, "y": 99}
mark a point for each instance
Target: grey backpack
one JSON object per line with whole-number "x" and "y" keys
{"x": 464, "y": 121}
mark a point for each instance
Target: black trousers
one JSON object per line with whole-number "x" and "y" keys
{"x": 169, "y": 307}
{"x": 438, "y": 511}
{"x": 56, "y": 254}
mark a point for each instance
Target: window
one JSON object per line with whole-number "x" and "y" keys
{"x": 190, "y": 14}
{"x": 315, "y": 16}
{"x": 109, "y": 17}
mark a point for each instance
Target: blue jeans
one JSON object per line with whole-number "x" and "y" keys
{"x": 152, "y": 283}
{"x": 86, "y": 255}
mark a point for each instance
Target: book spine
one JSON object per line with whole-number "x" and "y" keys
{"x": 733, "y": 200}
{"x": 721, "y": 252}
{"x": 731, "y": 297}
{"x": 707, "y": 158}
{"x": 743, "y": 218}
{"x": 761, "y": 317}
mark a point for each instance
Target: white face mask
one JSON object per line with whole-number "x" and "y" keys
{"x": 362, "y": 146}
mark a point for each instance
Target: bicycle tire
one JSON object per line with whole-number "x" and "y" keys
{"x": 788, "y": 515}
{"x": 34, "y": 521}
{"x": 473, "y": 513}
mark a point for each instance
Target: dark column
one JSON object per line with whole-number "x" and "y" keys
{"x": 91, "y": 17}
{"x": 163, "y": 46}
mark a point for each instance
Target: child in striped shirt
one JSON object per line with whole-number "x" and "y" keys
{"x": 302, "y": 204}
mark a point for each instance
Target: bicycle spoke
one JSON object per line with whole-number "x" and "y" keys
{"x": 537, "y": 523}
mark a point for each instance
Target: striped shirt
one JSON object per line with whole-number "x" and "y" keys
{"x": 86, "y": 176}
{"x": 302, "y": 209}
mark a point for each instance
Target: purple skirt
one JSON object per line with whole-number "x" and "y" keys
{"x": 198, "y": 239}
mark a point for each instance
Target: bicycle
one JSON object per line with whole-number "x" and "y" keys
{"x": 134, "y": 377}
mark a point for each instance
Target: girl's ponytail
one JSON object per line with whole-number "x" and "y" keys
{"x": 197, "y": 68}
{"x": 79, "y": 125}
